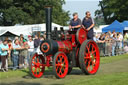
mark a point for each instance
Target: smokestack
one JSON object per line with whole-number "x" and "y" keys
{"x": 48, "y": 12}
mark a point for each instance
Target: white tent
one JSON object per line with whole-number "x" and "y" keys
{"x": 26, "y": 29}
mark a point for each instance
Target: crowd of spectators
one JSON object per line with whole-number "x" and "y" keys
{"x": 18, "y": 51}
{"x": 113, "y": 41}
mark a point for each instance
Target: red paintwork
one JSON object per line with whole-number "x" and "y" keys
{"x": 47, "y": 46}
{"x": 48, "y": 60}
{"x": 92, "y": 57}
{"x": 73, "y": 40}
{"x": 37, "y": 65}
{"x": 81, "y": 35}
{"x": 61, "y": 65}
{"x": 64, "y": 46}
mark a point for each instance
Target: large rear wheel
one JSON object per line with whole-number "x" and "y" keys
{"x": 37, "y": 67}
{"x": 89, "y": 57}
{"x": 60, "y": 65}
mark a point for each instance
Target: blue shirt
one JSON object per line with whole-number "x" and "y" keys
{"x": 0, "y": 49}
{"x": 95, "y": 39}
{"x": 4, "y": 53}
{"x": 87, "y": 23}
{"x": 75, "y": 23}
{"x": 16, "y": 52}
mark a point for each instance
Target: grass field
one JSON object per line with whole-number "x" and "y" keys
{"x": 112, "y": 71}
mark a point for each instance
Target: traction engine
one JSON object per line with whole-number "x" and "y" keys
{"x": 65, "y": 50}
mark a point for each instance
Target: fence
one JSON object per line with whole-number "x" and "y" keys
{"x": 106, "y": 48}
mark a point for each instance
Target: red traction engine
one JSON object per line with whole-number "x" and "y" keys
{"x": 65, "y": 50}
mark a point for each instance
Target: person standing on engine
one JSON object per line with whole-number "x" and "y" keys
{"x": 88, "y": 23}
{"x": 75, "y": 23}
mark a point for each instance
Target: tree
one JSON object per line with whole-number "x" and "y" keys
{"x": 113, "y": 10}
{"x": 31, "y": 12}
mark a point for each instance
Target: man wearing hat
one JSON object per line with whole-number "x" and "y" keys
{"x": 88, "y": 23}
{"x": 75, "y": 23}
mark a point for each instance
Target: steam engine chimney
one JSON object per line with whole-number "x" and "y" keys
{"x": 48, "y": 12}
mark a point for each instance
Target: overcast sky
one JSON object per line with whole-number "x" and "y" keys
{"x": 81, "y": 6}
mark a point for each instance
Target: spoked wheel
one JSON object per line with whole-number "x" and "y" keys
{"x": 89, "y": 58}
{"x": 60, "y": 65}
{"x": 36, "y": 67}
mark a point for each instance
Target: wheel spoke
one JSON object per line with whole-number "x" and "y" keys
{"x": 37, "y": 59}
{"x": 64, "y": 61}
{"x": 86, "y": 57}
{"x": 60, "y": 59}
{"x": 60, "y": 70}
{"x": 88, "y": 67}
{"x": 88, "y": 49}
{"x": 34, "y": 62}
{"x": 58, "y": 65}
{"x": 85, "y": 61}
{"x": 93, "y": 65}
{"x": 89, "y": 46}
{"x": 92, "y": 47}
{"x": 93, "y": 51}
{"x": 39, "y": 69}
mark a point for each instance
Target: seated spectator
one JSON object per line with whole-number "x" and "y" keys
{"x": 4, "y": 53}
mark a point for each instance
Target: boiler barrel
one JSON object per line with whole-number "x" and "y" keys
{"x": 50, "y": 47}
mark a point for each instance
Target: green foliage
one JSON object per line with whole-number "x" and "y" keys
{"x": 31, "y": 12}
{"x": 113, "y": 10}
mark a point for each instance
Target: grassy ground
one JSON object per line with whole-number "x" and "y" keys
{"x": 104, "y": 60}
{"x": 112, "y": 71}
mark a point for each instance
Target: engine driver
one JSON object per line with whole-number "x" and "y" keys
{"x": 88, "y": 23}
{"x": 75, "y": 23}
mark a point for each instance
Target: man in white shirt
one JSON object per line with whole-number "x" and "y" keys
{"x": 31, "y": 47}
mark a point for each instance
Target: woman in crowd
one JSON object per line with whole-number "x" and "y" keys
{"x": 119, "y": 42}
{"x": 108, "y": 44}
{"x": 4, "y": 53}
{"x": 102, "y": 38}
{"x": 126, "y": 38}
{"x": 23, "y": 53}
{"x": 114, "y": 39}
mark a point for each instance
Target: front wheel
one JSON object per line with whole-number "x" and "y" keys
{"x": 36, "y": 65}
{"x": 60, "y": 65}
{"x": 89, "y": 57}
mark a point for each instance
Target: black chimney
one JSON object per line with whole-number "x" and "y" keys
{"x": 48, "y": 12}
